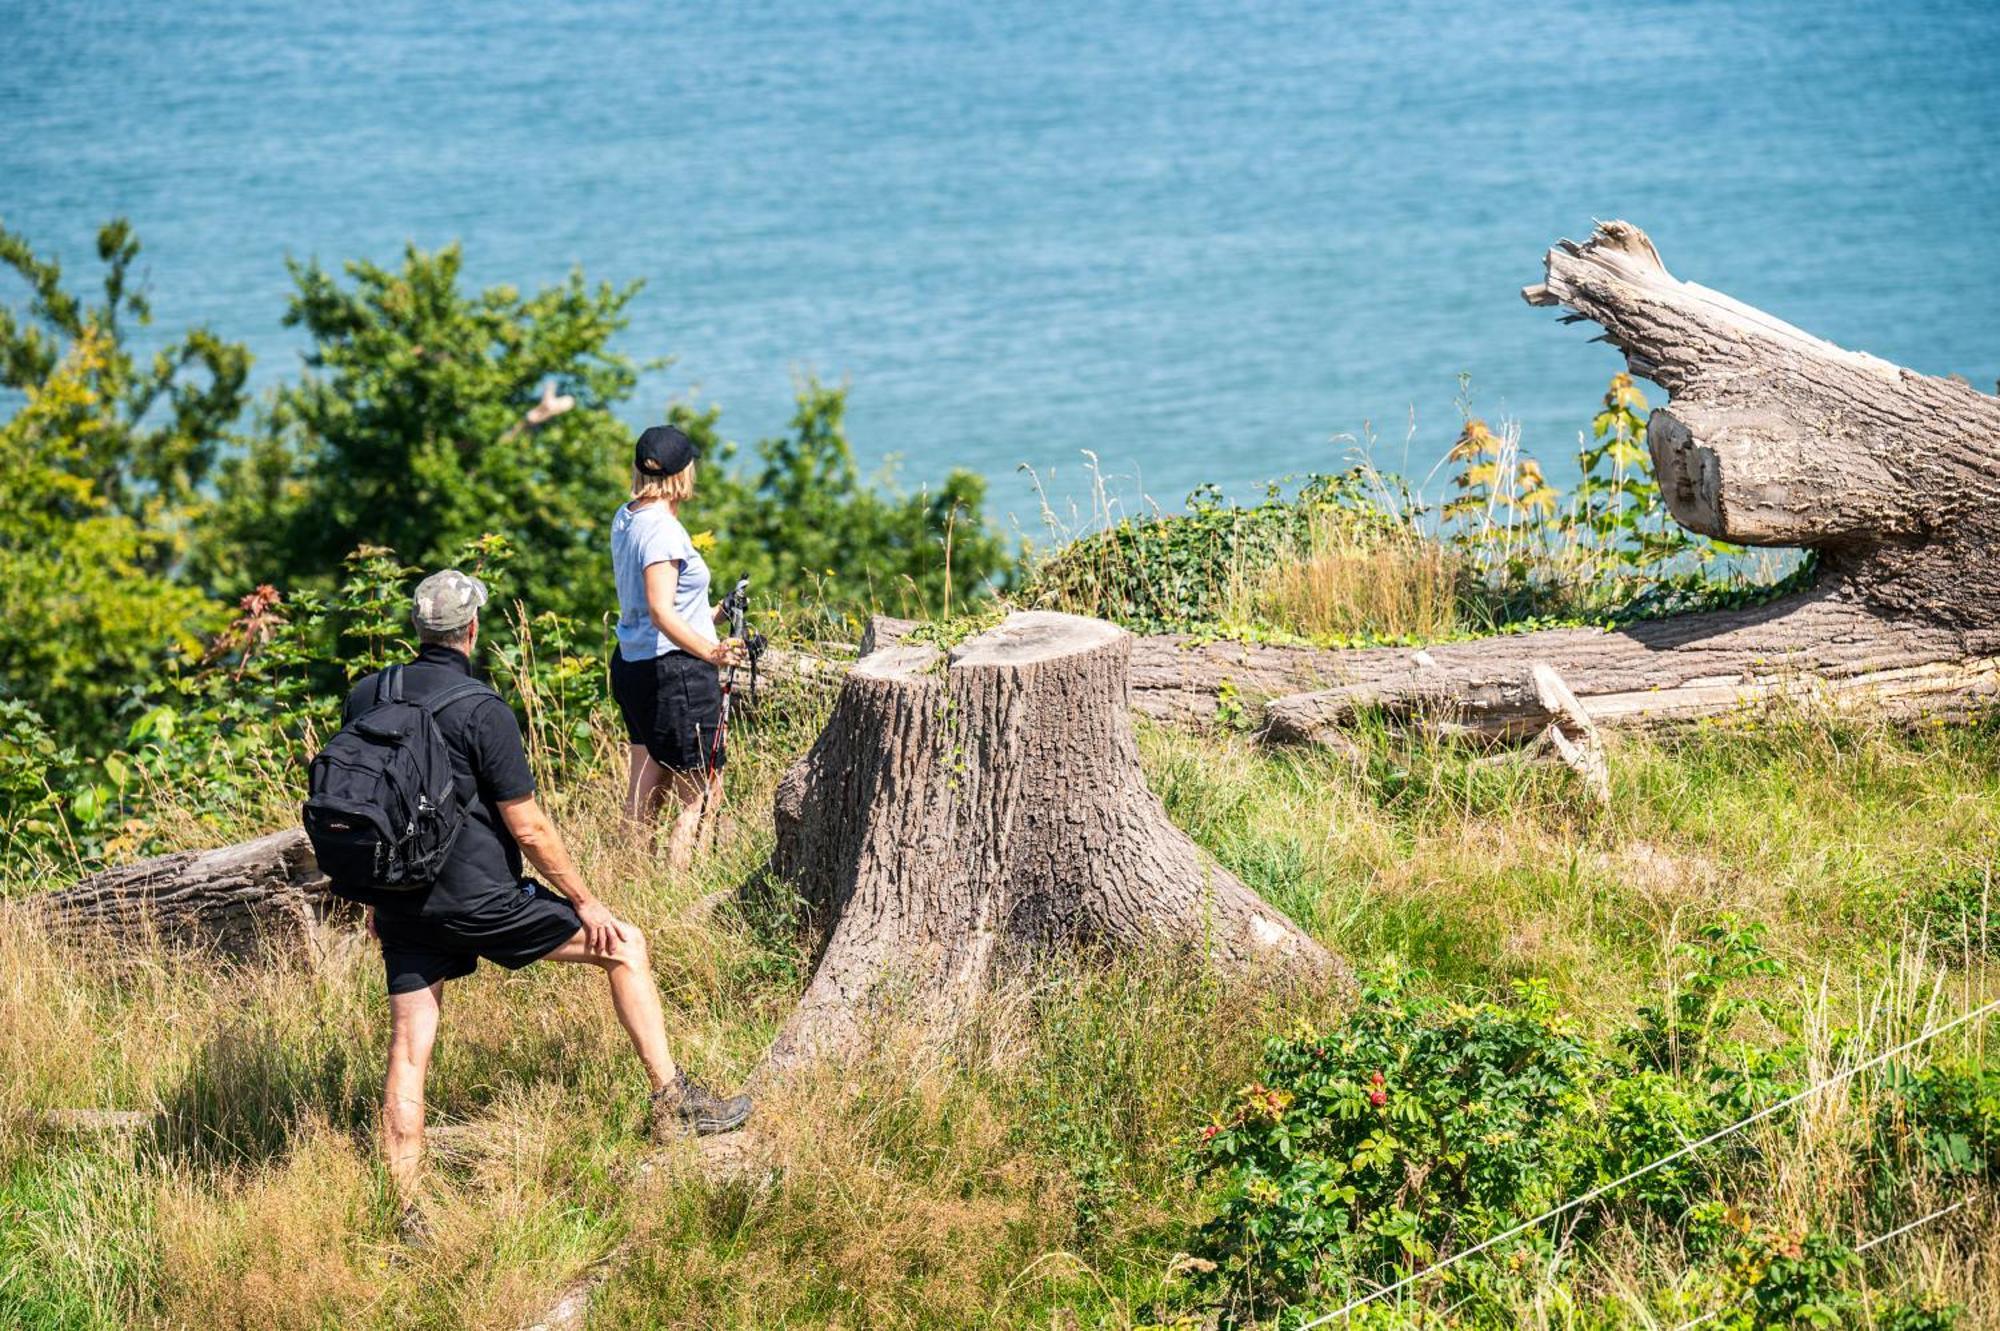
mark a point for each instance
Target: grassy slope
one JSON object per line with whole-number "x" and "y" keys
{"x": 1034, "y": 1177}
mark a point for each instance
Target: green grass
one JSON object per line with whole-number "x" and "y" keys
{"x": 1037, "y": 1174}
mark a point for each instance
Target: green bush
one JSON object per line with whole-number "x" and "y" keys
{"x": 813, "y": 537}
{"x": 1961, "y": 913}
{"x": 102, "y": 471}
{"x": 1943, "y": 1118}
{"x": 1417, "y": 1127}
{"x": 1171, "y": 572}
{"x": 408, "y": 431}
{"x": 1415, "y": 1123}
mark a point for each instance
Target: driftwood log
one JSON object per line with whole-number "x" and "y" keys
{"x": 259, "y": 899}
{"x": 965, "y": 812}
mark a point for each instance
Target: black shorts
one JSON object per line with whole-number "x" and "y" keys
{"x": 417, "y": 953}
{"x": 672, "y": 704}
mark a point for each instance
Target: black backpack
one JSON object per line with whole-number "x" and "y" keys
{"x": 381, "y": 807}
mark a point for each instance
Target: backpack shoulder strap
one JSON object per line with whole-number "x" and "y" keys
{"x": 388, "y": 686}
{"x": 437, "y": 702}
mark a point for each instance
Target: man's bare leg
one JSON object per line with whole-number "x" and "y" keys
{"x": 678, "y": 1106}
{"x": 413, "y": 1026}
{"x": 635, "y": 996}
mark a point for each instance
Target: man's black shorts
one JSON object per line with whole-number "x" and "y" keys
{"x": 672, "y": 704}
{"x": 417, "y": 953}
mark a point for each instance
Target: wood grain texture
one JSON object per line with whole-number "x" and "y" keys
{"x": 963, "y": 813}
{"x": 257, "y": 899}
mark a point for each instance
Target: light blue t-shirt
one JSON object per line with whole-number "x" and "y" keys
{"x": 653, "y": 535}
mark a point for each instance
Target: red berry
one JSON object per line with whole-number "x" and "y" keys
{"x": 1378, "y": 1098}
{"x": 1376, "y": 1078}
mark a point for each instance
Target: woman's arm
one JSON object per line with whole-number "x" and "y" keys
{"x": 661, "y": 579}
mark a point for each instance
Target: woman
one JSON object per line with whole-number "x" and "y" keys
{"x": 666, "y": 671}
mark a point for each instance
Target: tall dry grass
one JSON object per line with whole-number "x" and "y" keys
{"x": 1032, "y": 1175}
{"x": 1349, "y": 581}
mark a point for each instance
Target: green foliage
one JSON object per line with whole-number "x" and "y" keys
{"x": 1418, "y": 1126}
{"x": 1780, "y": 1277}
{"x": 84, "y": 615}
{"x": 1499, "y": 488}
{"x": 158, "y": 426}
{"x": 1678, "y": 1035}
{"x": 1960, "y": 914}
{"x": 1414, "y": 1123}
{"x": 804, "y": 528}
{"x": 1505, "y": 553}
{"x": 409, "y": 430}
{"x": 1618, "y": 498}
{"x": 1170, "y": 572}
{"x": 101, "y": 470}
{"x": 1918, "y": 1315}
{"x": 1943, "y": 1119}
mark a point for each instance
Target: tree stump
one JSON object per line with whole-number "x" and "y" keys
{"x": 964, "y": 812}
{"x": 258, "y": 899}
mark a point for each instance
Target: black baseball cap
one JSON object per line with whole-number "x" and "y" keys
{"x": 663, "y": 451}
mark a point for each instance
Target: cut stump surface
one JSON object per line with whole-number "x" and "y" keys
{"x": 966, "y": 811}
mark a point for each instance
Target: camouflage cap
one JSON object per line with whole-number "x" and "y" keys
{"x": 447, "y": 601}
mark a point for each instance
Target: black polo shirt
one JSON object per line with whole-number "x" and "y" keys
{"x": 482, "y": 877}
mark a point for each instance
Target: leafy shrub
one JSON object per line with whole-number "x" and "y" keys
{"x": 1918, "y": 1315}
{"x": 1415, "y": 1123}
{"x": 812, "y": 535}
{"x": 1960, "y": 914}
{"x": 409, "y": 431}
{"x": 1173, "y": 572}
{"x": 1359, "y": 558}
{"x": 1944, "y": 1117}
{"x": 1678, "y": 1035}
{"x": 87, "y": 606}
{"x": 1785, "y": 1278}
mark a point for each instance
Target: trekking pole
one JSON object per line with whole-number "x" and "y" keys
{"x": 737, "y": 606}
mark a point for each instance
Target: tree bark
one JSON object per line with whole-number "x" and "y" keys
{"x": 258, "y": 899}
{"x": 964, "y": 813}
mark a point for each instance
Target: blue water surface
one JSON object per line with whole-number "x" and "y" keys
{"x": 1204, "y": 241}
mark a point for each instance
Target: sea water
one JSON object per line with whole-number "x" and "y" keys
{"x": 1204, "y": 242}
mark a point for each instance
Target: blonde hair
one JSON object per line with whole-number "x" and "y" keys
{"x": 675, "y": 489}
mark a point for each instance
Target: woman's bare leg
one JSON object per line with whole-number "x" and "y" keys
{"x": 689, "y": 794}
{"x": 645, "y": 791}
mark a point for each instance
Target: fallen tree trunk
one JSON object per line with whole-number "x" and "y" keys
{"x": 261, "y": 898}
{"x": 1177, "y": 677}
{"x": 1771, "y": 437}
{"x": 1661, "y": 672}
{"x": 963, "y": 813}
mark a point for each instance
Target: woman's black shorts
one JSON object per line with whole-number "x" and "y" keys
{"x": 672, "y": 704}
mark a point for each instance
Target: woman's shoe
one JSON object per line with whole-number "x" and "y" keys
{"x": 413, "y": 1228}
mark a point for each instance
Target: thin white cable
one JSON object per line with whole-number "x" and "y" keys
{"x": 1898, "y": 1232}
{"x": 1914, "y": 1224}
{"x": 1764, "y": 1113}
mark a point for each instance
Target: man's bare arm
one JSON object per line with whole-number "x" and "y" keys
{"x": 543, "y": 846}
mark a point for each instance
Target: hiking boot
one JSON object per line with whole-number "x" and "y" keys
{"x": 686, "y": 1109}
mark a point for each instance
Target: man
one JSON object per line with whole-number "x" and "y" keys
{"x": 481, "y": 905}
